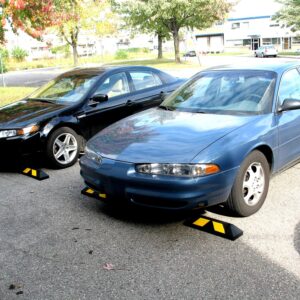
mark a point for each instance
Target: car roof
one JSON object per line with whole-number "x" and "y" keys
{"x": 102, "y": 69}
{"x": 278, "y": 67}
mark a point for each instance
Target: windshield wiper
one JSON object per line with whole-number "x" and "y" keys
{"x": 200, "y": 112}
{"x": 166, "y": 107}
{"x": 42, "y": 100}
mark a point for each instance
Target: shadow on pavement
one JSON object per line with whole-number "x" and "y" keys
{"x": 15, "y": 165}
{"x": 135, "y": 214}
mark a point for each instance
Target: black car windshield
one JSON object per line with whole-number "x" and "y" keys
{"x": 67, "y": 89}
{"x": 225, "y": 92}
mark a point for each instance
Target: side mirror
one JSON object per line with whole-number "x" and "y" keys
{"x": 289, "y": 104}
{"x": 98, "y": 98}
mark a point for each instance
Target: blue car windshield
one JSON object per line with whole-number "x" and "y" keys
{"x": 66, "y": 90}
{"x": 226, "y": 92}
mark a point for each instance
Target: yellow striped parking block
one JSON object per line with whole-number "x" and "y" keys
{"x": 94, "y": 194}
{"x": 216, "y": 227}
{"x": 35, "y": 173}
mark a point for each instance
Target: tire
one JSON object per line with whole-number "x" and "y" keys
{"x": 246, "y": 201}
{"x": 262, "y": 55}
{"x": 65, "y": 141}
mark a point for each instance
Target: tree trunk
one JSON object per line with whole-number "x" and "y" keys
{"x": 160, "y": 42}
{"x": 75, "y": 54}
{"x": 176, "y": 44}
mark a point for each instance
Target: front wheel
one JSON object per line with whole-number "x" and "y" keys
{"x": 251, "y": 185}
{"x": 62, "y": 147}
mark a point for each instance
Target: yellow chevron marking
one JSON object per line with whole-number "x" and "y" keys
{"x": 201, "y": 222}
{"x": 89, "y": 191}
{"x": 27, "y": 170}
{"x": 219, "y": 227}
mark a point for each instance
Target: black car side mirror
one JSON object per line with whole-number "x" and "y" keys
{"x": 98, "y": 98}
{"x": 289, "y": 104}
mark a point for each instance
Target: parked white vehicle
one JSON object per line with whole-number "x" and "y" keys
{"x": 264, "y": 51}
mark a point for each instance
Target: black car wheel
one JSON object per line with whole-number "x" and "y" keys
{"x": 63, "y": 147}
{"x": 251, "y": 185}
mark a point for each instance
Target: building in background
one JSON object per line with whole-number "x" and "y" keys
{"x": 249, "y": 26}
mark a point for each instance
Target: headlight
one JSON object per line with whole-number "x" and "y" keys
{"x": 28, "y": 130}
{"x": 20, "y": 132}
{"x": 181, "y": 170}
{"x": 7, "y": 133}
{"x": 90, "y": 154}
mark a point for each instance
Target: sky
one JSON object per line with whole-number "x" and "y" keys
{"x": 251, "y": 8}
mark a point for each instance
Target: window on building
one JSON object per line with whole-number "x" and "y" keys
{"x": 235, "y": 25}
{"x": 266, "y": 41}
{"x": 296, "y": 40}
{"x": 247, "y": 42}
{"x": 276, "y": 41}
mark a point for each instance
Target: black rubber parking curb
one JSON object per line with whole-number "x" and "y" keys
{"x": 94, "y": 194}
{"x": 35, "y": 173}
{"x": 215, "y": 227}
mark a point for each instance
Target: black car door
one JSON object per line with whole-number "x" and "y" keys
{"x": 96, "y": 116}
{"x": 148, "y": 89}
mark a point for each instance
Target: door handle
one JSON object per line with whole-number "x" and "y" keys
{"x": 129, "y": 103}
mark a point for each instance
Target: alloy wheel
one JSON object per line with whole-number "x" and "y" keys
{"x": 65, "y": 148}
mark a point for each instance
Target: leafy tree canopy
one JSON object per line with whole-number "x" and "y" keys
{"x": 30, "y": 16}
{"x": 289, "y": 13}
{"x": 172, "y": 15}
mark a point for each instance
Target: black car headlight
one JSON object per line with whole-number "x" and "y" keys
{"x": 92, "y": 155}
{"x": 19, "y": 132}
{"x": 181, "y": 170}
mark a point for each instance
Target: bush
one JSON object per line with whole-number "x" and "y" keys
{"x": 4, "y": 56}
{"x": 134, "y": 50}
{"x": 146, "y": 50}
{"x": 4, "y": 53}
{"x": 19, "y": 54}
{"x": 121, "y": 54}
{"x": 3, "y": 68}
{"x": 63, "y": 49}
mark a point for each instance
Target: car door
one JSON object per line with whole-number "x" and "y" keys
{"x": 288, "y": 121}
{"x": 96, "y": 116}
{"x": 148, "y": 89}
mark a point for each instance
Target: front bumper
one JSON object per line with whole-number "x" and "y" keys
{"x": 20, "y": 146}
{"x": 120, "y": 181}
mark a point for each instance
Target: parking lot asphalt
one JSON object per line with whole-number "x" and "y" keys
{"x": 55, "y": 244}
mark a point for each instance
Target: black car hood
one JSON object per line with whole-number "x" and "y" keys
{"x": 26, "y": 111}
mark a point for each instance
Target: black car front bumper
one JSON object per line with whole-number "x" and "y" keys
{"x": 15, "y": 147}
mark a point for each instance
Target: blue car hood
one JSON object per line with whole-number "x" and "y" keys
{"x": 161, "y": 136}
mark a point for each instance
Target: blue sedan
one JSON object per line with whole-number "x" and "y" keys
{"x": 217, "y": 139}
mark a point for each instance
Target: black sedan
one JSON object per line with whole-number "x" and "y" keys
{"x": 58, "y": 118}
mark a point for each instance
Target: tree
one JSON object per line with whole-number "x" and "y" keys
{"x": 172, "y": 15}
{"x": 89, "y": 15}
{"x": 30, "y": 16}
{"x": 141, "y": 19}
{"x": 289, "y": 13}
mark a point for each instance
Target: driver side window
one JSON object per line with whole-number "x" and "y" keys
{"x": 289, "y": 86}
{"x": 114, "y": 85}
